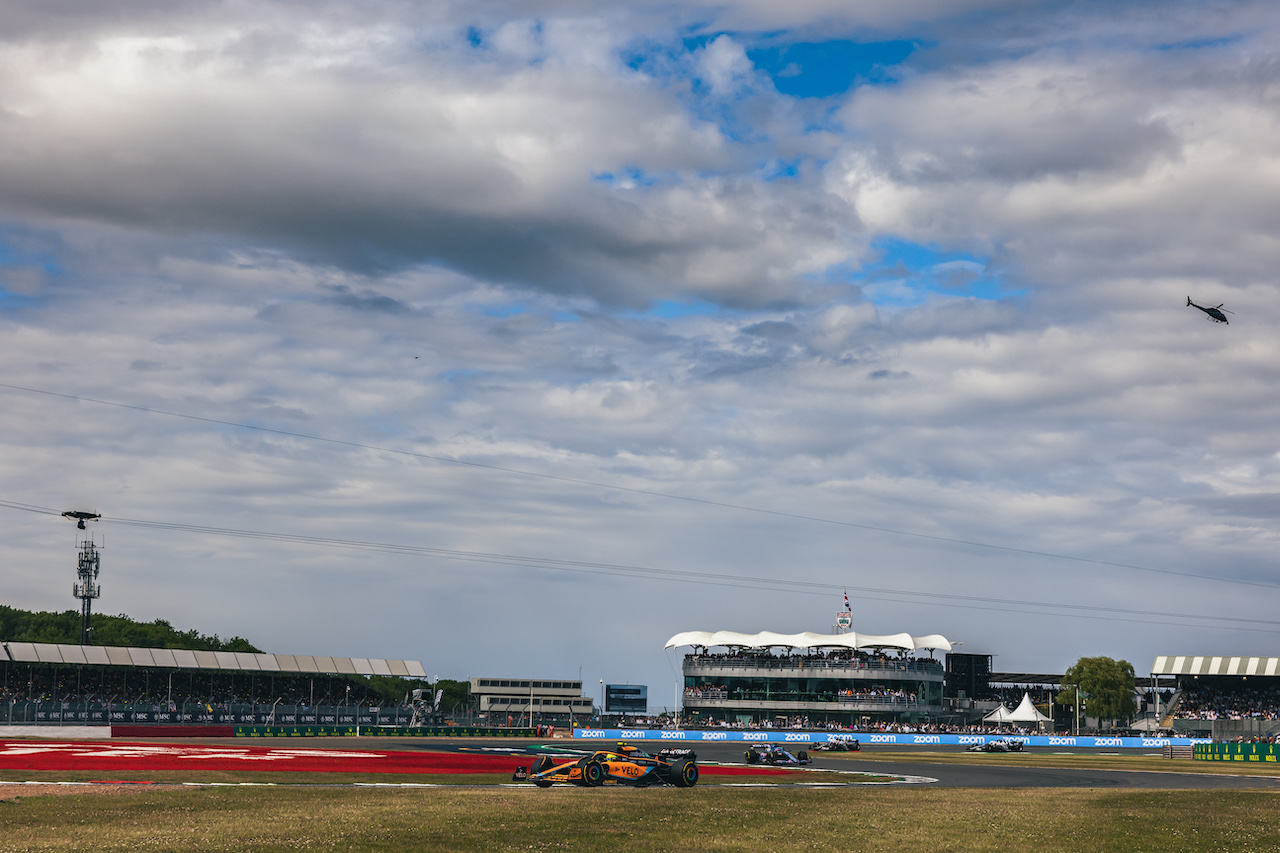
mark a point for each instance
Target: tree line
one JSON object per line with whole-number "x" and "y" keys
{"x": 25, "y": 626}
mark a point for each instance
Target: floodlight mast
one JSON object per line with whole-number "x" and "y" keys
{"x": 86, "y": 587}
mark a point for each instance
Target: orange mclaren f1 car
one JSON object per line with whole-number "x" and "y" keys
{"x": 624, "y": 765}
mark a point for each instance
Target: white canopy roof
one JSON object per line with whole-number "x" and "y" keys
{"x": 808, "y": 640}
{"x": 999, "y": 715}
{"x": 188, "y": 659}
{"x": 1214, "y": 665}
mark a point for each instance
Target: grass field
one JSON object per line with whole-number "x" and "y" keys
{"x": 234, "y": 816}
{"x": 177, "y": 777}
{"x": 712, "y": 819}
{"x": 1073, "y": 761}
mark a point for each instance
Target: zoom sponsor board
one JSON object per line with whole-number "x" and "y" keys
{"x": 1070, "y": 741}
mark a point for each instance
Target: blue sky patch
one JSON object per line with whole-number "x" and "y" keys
{"x": 1201, "y": 44}
{"x": 626, "y": 178}
{"x": 10, "y": 301}
{"x": 459, "y": 373}
{"x": 670, "y": 309}
{"x": 22, "y": 272}
{"x": 779, "y": 169}
{"x": 823, "y": 69}
{"x": 909, "y": 273}
{"x": 502, "y": 311}
{"x": 797, "y": 70}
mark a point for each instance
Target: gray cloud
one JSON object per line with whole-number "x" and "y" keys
{"x": 368, "y": 301}
{"x": 775, "y": 329}
{"x": 443, "y": 159}
{"x": 533, "y": 255}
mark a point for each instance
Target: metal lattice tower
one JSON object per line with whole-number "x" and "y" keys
{"x": 86, "y": 588}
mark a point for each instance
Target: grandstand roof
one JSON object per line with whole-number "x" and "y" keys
{"x": 1211, "y": 665}
{"x": 189, "y": 659}
{"x": 808, "y": 640}
{"x": 1043, "y": 678}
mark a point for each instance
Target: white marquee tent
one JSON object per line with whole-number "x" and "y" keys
{"x": 1025, "y": 713}
{"x": 999, "y": 715}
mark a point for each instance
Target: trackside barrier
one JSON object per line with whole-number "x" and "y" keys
{"x": 784, "y": 736}
{"x": 200, "y": 714}
{"x": 379, "y": 731}
{"x": 1236, "y": 752}
{"x": 171, "y": 731}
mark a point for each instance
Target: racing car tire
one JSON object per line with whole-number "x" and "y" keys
{"x": 593, "y": 774}
{"x": 684, "y": 773}
{"x": 802, "y": 757}
{"x": 541, "y": 764}
{"x": 751, "y": 757}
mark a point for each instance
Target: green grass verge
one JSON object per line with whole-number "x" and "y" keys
{"x": 178, "y": 777}
{"x": 713, "y": 820}
{"x": 1072, "y": 761}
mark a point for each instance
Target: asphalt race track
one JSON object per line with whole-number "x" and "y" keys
{"x": 977, "y": 776}
{"x": 415, "y": 760}
{"x": 953, "y": 775}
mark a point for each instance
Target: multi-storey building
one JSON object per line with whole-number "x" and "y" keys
{"x": 559, "y": 701}
{"x": 848, "y": 679}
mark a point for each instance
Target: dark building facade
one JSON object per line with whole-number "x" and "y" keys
{"x": 967, "y": 676}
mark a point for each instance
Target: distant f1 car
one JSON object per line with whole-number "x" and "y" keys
{"x": 998, "y": 745}
{"x": 625, "y": 765}
{"x": 771, "y": 753}
{"x": 840, "y": 744}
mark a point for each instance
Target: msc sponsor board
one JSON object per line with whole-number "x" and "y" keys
{"x": 1076, "y": 741}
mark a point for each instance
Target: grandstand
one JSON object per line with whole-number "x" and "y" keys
{"x": 817, "y": 679}
{"x": 1225, "y": 697}
{"x": 54, "y": 683}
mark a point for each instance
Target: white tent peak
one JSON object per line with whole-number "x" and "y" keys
{"x": 1025, "y": 713}
{"x": 999, "y": 715}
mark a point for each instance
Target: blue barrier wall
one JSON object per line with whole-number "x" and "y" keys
{"x": 783, "y": 736}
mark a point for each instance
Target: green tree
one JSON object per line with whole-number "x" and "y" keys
{"x": 1105, "y": 687}
{"x": 43, "y": 627}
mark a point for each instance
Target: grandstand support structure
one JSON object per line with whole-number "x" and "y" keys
{"x": 86, "y": 588}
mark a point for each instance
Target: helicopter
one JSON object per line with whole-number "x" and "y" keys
{"x": 1217, "y": 314}
{"x": 81, "y": 517}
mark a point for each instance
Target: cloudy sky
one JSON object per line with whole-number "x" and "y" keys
{"x": 568, "y": 326}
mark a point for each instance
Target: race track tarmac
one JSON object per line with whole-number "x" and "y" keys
{"x": 947, "y": 775}
{"x": 977, "y": 776}
{"x": 931, "y": 774}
